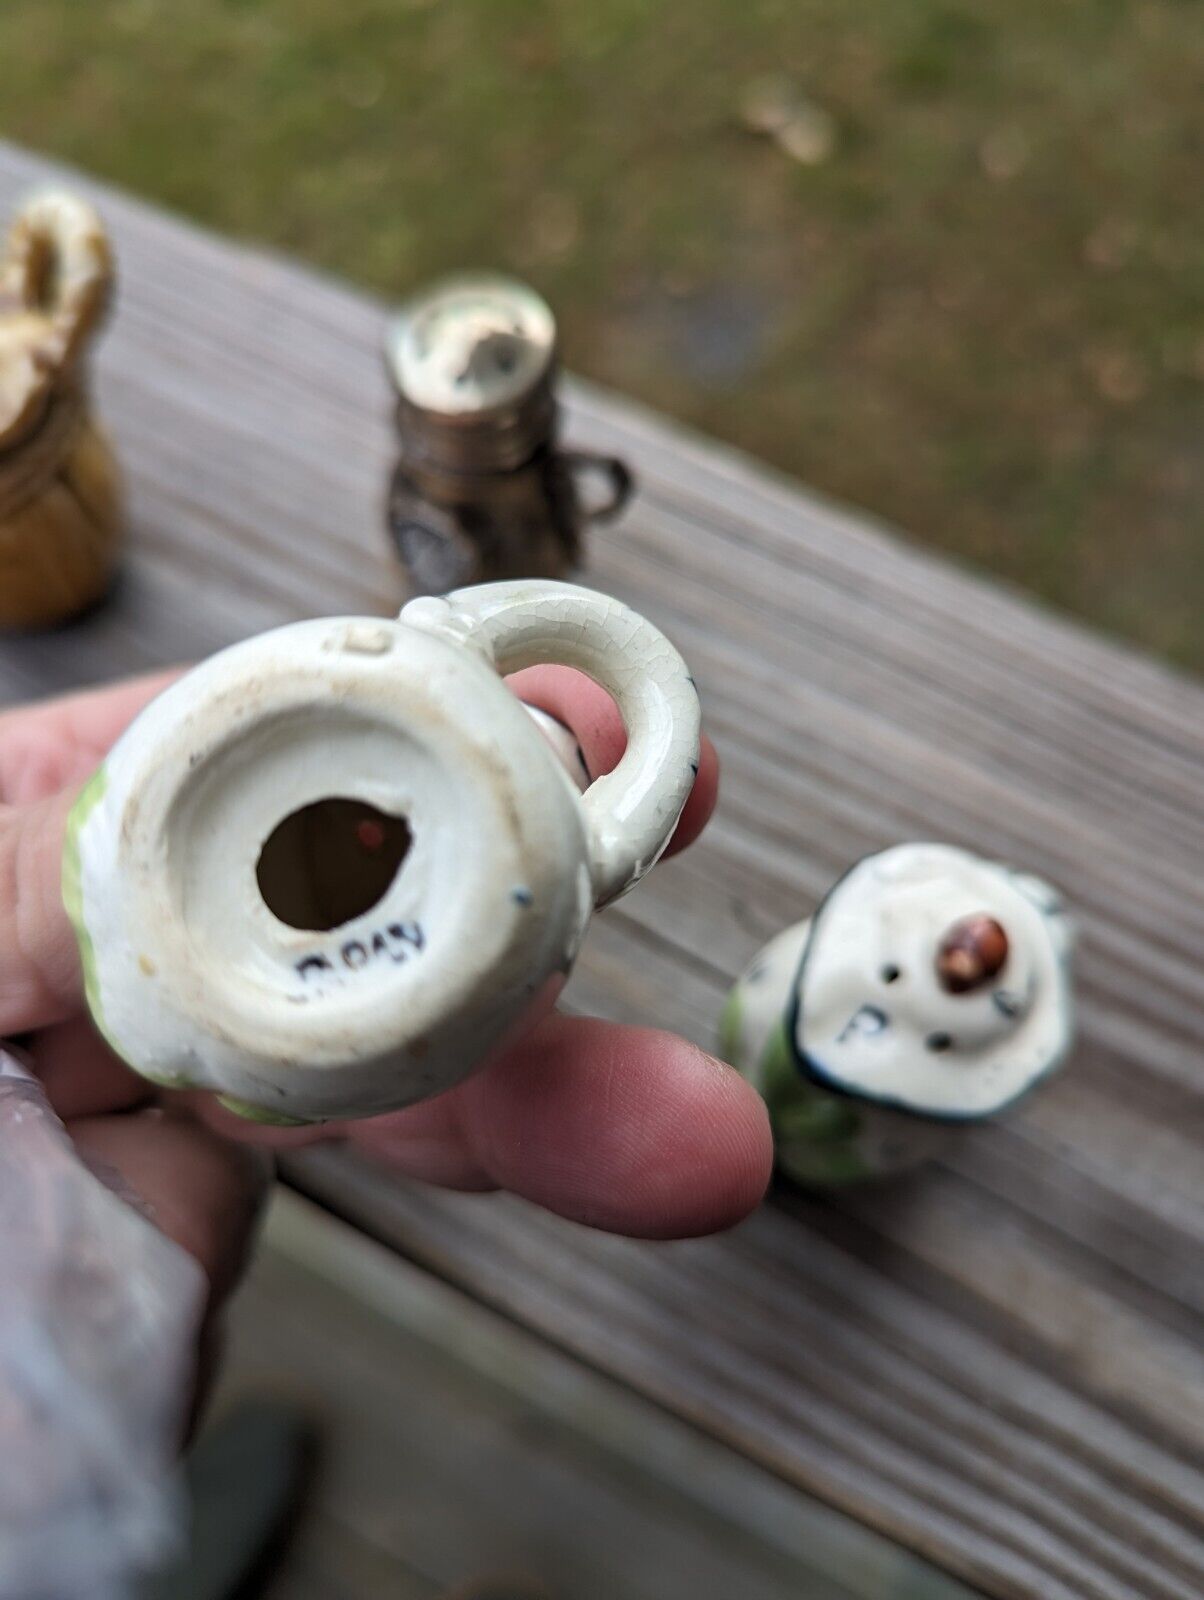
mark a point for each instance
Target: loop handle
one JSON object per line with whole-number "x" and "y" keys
{"x": 631, "y": 812}
{"x": 55, "y": 284}
{"x": 617, "y": 483}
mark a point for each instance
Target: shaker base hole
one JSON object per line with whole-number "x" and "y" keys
{"x": 329, "y": 862}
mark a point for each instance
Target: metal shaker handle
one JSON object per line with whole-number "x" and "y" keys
{"x": 631, "y": 812}
{"x": 618, "y": 478}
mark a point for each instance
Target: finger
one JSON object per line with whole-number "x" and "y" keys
{"x": 206, "y": 1107}
{"x": 41, "y": 748}
{"x": 39, "y": 960}
{"x": 620, "y": 1128}
{"x": 56, "y": 744}
{"x": 51, "y": 745}
{"x": 201, "y": 1190}
{"x": 42, "y": 745}
{"x": 586, "y": 708}
{"x": 81, "y": 1075}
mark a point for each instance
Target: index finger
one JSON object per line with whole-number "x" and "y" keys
{"x": 590, "y": 714}
{"x": 56, "y": 744}
{"x": 47, "y": 750}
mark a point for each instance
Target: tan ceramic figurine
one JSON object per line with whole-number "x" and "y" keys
{"x": 60, "y": 500}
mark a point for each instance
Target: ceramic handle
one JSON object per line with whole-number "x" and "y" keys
{"x": 631, "y": 812}
{"x": 59, "y": 273}
{"x": 617, "y": 478}
{"x": 55, "y": 279}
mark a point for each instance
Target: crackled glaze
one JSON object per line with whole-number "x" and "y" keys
{"x": 196, "y": 981}
{"x": 850, "y": 1026}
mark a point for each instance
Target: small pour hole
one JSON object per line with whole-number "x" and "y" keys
{"x": 890, "y": 973}
{"x": 330, "y": 862}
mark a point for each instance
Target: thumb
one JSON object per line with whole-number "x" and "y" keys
{"x": 39, "y": 962}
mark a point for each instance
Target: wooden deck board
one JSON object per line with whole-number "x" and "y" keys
{"x": 455, "y": 1446}
{"x": 996, "y": 1362}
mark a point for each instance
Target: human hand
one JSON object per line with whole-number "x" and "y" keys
{"x": 621, "y": 1128}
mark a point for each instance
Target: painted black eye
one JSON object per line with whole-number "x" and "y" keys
{"x": 890, "y": 973}
{"x": 939, "y": 1042}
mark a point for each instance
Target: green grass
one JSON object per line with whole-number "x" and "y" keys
{"x": 982, "y": 317}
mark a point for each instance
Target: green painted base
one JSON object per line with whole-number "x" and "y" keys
{"x": 273, "y": 1119}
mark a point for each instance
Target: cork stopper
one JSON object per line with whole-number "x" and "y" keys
{"x": 971, "y": 953}
{"x": 56, "y": 280}
{"x": 474, "y": 362}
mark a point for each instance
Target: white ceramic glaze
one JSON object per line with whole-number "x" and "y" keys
{"x": 471, "y": 345}
{"x": 865, "y": 1055}
{"x": 193, "y": 977}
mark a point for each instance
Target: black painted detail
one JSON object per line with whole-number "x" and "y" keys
{"x": 309, "y": 964}
{"x": 395, "y": 943}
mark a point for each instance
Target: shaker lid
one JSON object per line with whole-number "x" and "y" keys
{"x": 935, "y": 982}
{"x": 471, "y": 346}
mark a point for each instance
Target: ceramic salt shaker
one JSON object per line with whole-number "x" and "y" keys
{"x": 483, "y": 490}
{"x": 60, "y": 498}
{"x": 930, "y": 990}
{"x": 334, "y": 868}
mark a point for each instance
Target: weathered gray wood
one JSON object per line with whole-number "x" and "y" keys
{"x": 456, "y": 1446}
{"x": 845, "y": 1363}
{"x": 997, "y": 1362}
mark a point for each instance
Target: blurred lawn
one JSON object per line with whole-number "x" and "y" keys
{"x": 982, "y": 316}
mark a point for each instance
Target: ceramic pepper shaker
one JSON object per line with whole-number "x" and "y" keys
{"x": 930, "y": 990}
{"x": 60, "y": 499}
{"x": 482, "y": 490}
{"x": 331, "y": 870}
